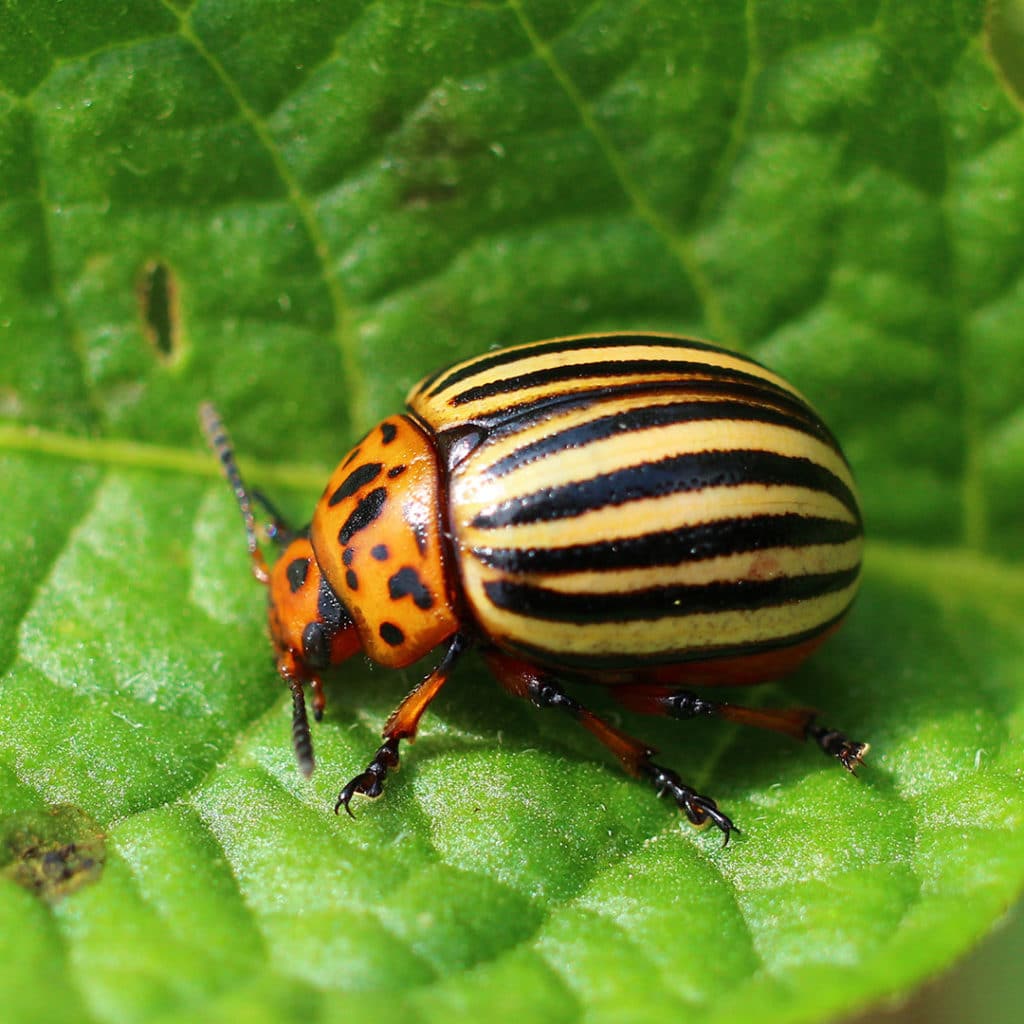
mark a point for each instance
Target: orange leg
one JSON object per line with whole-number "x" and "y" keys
{"x": 319, "y": 700}
{"x": 800, "y": 723}
{"x": 400, "y": 726}
{"x": 525, "y": 680}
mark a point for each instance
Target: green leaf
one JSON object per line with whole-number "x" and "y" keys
{"x": 296, "y": 210}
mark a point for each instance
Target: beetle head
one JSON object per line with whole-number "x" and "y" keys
{"x": 310, "y": 627}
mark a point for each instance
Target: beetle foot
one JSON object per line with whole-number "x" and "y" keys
{"x": 700, "y": 810}
{"x": 850, "y": 753}
{"x": 370, "y": 782}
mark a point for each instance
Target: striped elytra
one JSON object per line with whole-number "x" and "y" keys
{"x": 638, "y": 511}
{"x": 643, "y": 500}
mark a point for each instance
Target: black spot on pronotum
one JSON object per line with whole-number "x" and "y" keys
{"x": 369, "y": 508}
{"x": 296, "y": 573}
{"x": 380, "y": 552}
{"x": 388, "y": 432}
{"x": 396, "y": 471}
{"x": 358, "y": 478}
{"x": 51, "y": 852}
{"x": 158, "y": 304}
{"x": 351, "y": 580}
{"x": 407, "y": 583}
{"x": 391, "y": 634}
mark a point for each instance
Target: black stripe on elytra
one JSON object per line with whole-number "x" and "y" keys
{"x": 514, "y": 416}
{"x": 713, "y": 539}
{"x": 369, "y": 508}
{"x": 618, "y": 661}
{"x": 543, "y": 348}
{"x": 645, "y": 418}
{"x": 359, "y": 477}
{"x": 407, "y": 582}
{"x": 296, "y": 573}
{"x": 673, "y": 475}
{"x": 613, "y": 368}
{"x": 662, "y": 602}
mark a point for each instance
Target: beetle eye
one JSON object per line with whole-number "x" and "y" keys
{"x": 315, "y": 652}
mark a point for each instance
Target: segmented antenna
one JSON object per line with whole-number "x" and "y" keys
{"x": 302, "y": 742}
{"x": 217, "y": 438}
{"x": 277, "y": 529}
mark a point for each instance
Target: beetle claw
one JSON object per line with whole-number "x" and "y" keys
{"x": 699, "y": 810}
{"x": 849, "y": 753}
{"x": 370, "y": 782}
{"x": 362, "y": 783}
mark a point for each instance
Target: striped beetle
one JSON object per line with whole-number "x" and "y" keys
{"x": 635, "y": 511}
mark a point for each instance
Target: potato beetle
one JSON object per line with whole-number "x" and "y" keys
{"x": 638, "y": 511}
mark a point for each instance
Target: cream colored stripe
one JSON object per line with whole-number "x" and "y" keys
{"x": 614, "y": 404}
{"x": 645, "y": 516}
{"x": 436, "y": 409}
{"x": 671, "y": 633}
{"x": 582, "y": 355}
{"x": 638, "y": 446}
{"x": 750, "y": 565}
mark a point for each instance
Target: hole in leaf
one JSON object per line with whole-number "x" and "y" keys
{"x": 427, "y": 195}
{"x": 158, "y": 302}
{"x": 52, "y": 852}
{"x": 1004, "y": 28}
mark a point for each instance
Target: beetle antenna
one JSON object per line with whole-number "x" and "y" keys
{"x": 217, "y": 438}
{"x": 301, "y": 739}
{"x": 277, "y": 529}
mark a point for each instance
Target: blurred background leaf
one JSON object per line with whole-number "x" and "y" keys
{"x": 297, "y": 210}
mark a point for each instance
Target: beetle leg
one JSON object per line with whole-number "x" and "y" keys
{"x": 319, "y": 699}
{"x": 850, "y": 753}
{"x": 400, "y": 726}
{"x": 800, "y": 723}
{"x": 542, "y": 691}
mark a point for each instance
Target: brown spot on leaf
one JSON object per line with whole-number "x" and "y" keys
{"x": 52, "y": 852}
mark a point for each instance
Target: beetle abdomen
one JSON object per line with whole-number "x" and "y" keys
{"x": 644, "y": 501}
